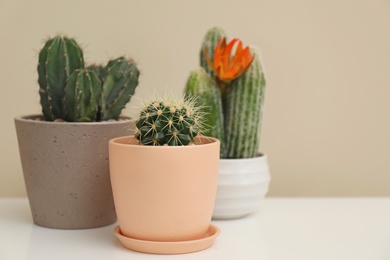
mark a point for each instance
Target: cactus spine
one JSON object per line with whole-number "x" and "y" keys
{"x": 71, "y": 92}
{"x": 244, "y": 113}
{"x": 82, "y": 95}
{"x": 121, "y": 79}
{"x": 59, "y": 57}
{"x": 241, "y": 93}
{"x": 169, "y": 122}
{"x": 201, "y": 85}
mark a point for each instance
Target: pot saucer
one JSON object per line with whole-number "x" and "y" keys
{"x": 178, "y": 247}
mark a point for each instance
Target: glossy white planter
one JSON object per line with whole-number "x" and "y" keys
{"x": 242, "y": 185}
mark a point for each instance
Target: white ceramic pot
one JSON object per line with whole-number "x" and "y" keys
{"x": 242, "y": 185}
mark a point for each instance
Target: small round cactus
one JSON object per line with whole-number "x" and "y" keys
{"x": 169, "y": 122}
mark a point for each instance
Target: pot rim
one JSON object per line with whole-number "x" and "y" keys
{"x": 210, "y": 141}
{"x": 260, "y": 156}
{"x": 32, "y": 118}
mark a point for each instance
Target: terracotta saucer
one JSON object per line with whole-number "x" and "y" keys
{"x": 180, "y": 247}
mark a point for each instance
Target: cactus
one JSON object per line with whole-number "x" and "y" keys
{"x": 200, "y": 84}
{"x": 169, "y": 122}
{"x": 82, "y": 96}
{"x": 209, "y": 43}
{"x": 121, "y": 79}
{"x": 71, "y": 92}
{"x": 239, "y": 77}
{"x": 99, "y": 70}
{"x": 59, "y": 57}
{"x": 244, "y": 112}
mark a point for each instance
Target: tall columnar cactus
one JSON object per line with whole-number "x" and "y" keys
{"x": 169, "y": 122}
{"x": 71, "y": 92}
{"x": 201, "y": 85}
{"x": 239, "y": 77}
{"x": 209, "y": 44}
{"x": 120, "y": 80}
{"x": 82, "y": 96}
{"x": 244, "y": 112}
{"x": 59, "y": 57}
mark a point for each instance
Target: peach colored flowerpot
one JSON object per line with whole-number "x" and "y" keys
{"x": 164, "y": 193}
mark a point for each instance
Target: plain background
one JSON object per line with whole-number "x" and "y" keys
{"x": 326, "y": 127}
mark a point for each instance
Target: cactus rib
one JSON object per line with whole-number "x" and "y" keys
{"x": 82, "y": 95}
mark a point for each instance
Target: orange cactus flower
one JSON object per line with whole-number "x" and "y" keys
{"x": 226, "y": 65}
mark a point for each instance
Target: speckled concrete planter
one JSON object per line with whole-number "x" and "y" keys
{"x": 66, "y": 171}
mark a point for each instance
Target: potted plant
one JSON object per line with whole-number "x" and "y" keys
{"x": 164, "y": 180}
{"x": 64, "y": 151}
{"x": 231, "y": 84}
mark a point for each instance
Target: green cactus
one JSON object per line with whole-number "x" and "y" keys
{"x": 82, "y": 96}
{"x": 241, "y": 92}
{"x": 99, "y": 70}
{"x": 201, "y": 85}
{"x": 244, "y": 112}
{"x": 59, "y": 57}
{"x": 120, "y": 81}
{"x": 169, "y": 122}
{"x": 208, "y": 45}
{"x": 70, "y": 92}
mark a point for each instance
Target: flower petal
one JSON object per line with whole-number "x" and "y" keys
{"x": 227, "y": 65}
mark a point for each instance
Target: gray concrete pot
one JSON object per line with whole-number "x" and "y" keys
{"x": 66, "y": 170}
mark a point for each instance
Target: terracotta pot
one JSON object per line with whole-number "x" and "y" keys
{"x": 242, "y": 186}
{"x": 66, "y": 171}
{"x": 164, "y": 193}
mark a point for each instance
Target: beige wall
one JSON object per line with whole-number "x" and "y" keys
{"x": 326, "y": 126}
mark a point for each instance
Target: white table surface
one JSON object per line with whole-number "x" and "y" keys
{"x": 284, "y": 229}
